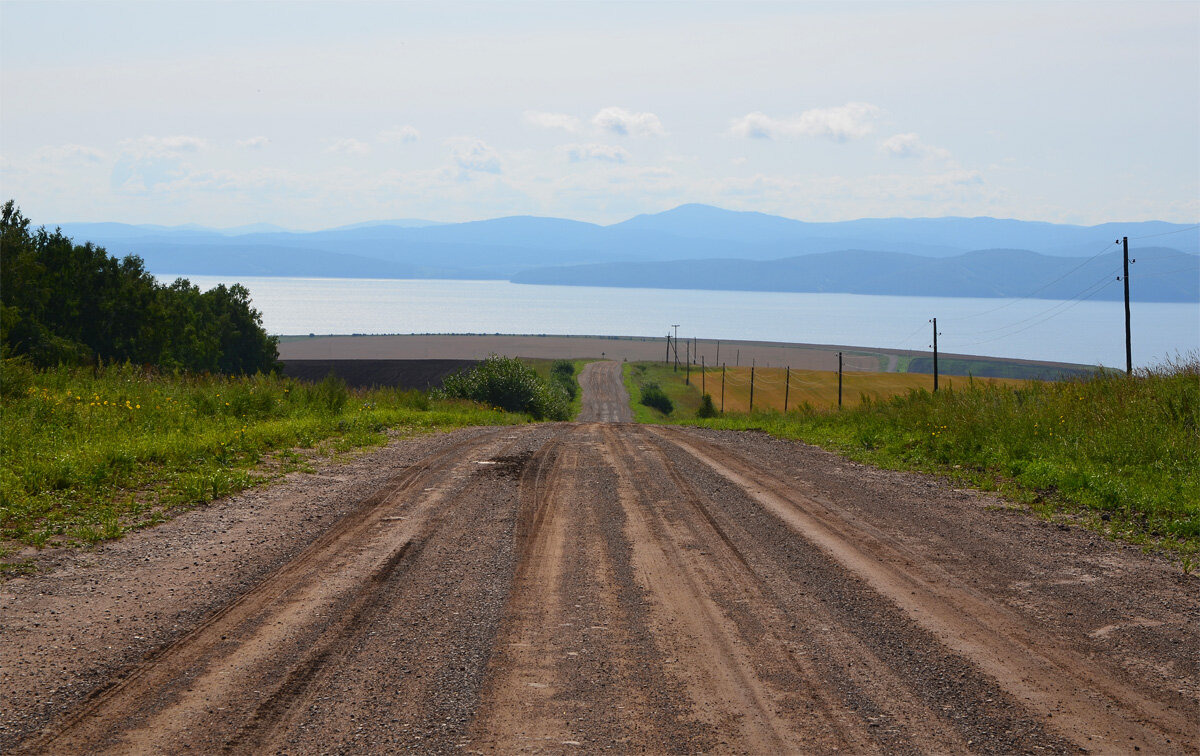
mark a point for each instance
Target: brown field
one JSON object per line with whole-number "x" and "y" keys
{"x": 772, "y": 386}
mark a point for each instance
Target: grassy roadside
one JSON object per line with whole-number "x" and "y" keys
{"x": 89, "y": 455}
{"x": 1117, "y": 453}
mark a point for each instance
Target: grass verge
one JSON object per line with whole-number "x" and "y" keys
{"x": 1121, "y": 454}
{"x": 88, "y": 455}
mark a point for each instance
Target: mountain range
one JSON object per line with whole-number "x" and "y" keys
{"x": 694, "y": 246}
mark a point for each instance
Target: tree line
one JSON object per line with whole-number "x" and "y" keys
{"x": 67, "y": 303}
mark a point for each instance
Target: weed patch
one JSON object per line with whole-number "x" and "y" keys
{"x": 89, "y": 454}
{"x": 1120, "y": 453}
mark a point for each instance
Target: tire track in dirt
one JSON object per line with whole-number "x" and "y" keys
{"x": 576, "y": 664}
{"x": 198, "y": 690}
{"x": 710, "y": 656}
{"x": 1091, "y": 709}
{"x": 789, "y": 636}
{"x": 606, "y": 400}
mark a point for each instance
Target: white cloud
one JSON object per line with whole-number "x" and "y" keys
{"x": 910, "y": 145}
{"x": 628, "y": 123}
{"x": 853, "y": 120}
{"x": 149, "y": 162}
{"x": 402, "y": 135}
{"x": 348, "y": 146}
{"x": 254, "y": 142}
{"x": 68, "y": 153}
{"x": 151, "y": 146}
{"x": 607, "y": 153}
{"x": 562, "y": 121}
{"x": 473, "y": 154}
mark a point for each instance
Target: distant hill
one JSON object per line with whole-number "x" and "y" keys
{"x": 529, "y": 248}
{"x": 1160, "y": 275}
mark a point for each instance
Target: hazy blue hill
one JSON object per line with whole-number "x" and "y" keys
{"x": 518, "y": 230}
{"x": 1160, "y": 275}
{"x": 707, "y": 222}
{"x": 263, "y": 260}
{"x": 516, "y": 245}
{"x": 398, "y": 222}
{"x": 939, "y": 236}
{"x": 101, "y": 233}
{"x": 252, "y": 228}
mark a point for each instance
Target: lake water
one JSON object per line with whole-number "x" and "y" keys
{"x": 1067, "y": 331}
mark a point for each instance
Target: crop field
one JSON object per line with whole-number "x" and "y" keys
{"x": 774, "y": 387}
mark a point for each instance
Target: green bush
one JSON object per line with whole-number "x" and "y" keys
{"x": 653, "y": 396}
{"x": 506, "y": 383}
{"x": 562, "y": 372}
{"x": 706, "y": 408}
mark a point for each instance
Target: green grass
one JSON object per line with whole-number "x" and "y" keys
{"x": 686, "y": 398}
{"x": 88, "y": 455}
{"x": 1119, "y": 453}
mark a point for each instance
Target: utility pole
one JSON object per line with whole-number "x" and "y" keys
{"x": 737, "y": 360}
{"x": 1128, "y": 340}
{"x": 695, "y": 348}
{"x": 676, "y": 327}
{"x": 935, "y": 365}
{"x": 751, "y": 388}
{"x": 687, "y": 362}
{"x": 717, "y": 361}
{"x": 787, "y": 386}
{"x": 722, "y": 388}
{"x": 703, "y": 372}
{"x": 667, "y": 359}
{"x": 839, "y": 380}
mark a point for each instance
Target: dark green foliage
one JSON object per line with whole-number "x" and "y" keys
{"x": 67, "y": 303}
{"x": 506, "y": 383}
{"x": 706, "y": 408}
{"x": 653, "y": 396}
{"x": 562, "y": 372}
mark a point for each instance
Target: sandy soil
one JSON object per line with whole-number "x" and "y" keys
{"x": 602, "y": 586}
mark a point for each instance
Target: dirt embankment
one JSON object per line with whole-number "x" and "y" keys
{"x": 603, "y": 587}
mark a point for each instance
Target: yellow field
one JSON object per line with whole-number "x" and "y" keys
{"x": 818, "y": 388}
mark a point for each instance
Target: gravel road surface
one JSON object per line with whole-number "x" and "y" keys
{"x": 602, "y": 587}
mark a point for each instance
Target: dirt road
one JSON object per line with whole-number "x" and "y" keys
{"x": 601, "y": 586}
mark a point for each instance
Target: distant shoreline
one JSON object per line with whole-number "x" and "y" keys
{"x": 652, "y": 348}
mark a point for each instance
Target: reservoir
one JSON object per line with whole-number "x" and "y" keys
{"x": 1084, "y": 331}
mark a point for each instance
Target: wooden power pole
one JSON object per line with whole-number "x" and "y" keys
{"x": 935, "y": 365}
{"x": 787, "y": 386}
{"x": 1128, "y": 339}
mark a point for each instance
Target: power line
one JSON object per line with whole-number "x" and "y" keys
{"x": 1106, "y": 279}
{"x": 1099, "y": 287}
{"x": 1042, "y": 288}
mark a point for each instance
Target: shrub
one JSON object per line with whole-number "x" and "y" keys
{"x": 653, "y": 396}
{"x": 563, "y": 374}
{"x": 706, "y": 408}
{"x": 506, "y": 383}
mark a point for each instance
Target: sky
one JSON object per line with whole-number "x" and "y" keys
{"x": 311, "y": 115}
